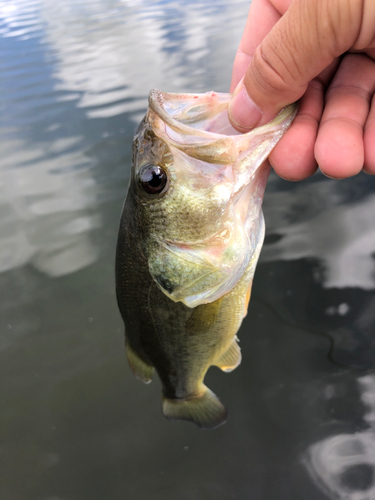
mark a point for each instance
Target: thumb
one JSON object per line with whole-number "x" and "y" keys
{"x": 310, "y": 35}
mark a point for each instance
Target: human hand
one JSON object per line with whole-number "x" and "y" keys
{"x": 323, "y": 53}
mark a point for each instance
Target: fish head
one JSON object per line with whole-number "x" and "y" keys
{"x": 197, "y": 186}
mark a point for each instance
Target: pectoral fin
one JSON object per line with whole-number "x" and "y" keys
{"x": 141, "y": 370}
{"x": 231, "y": 357}
{"x": 205, "y": 409}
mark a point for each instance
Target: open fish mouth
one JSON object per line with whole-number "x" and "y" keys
{"x": 199, "y": 125}
{"x": 202, "y": 140}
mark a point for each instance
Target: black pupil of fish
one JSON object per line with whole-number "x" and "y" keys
{"x": 153, "y": 179}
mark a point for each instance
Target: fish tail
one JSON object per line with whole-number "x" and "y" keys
{"x": 205, "y": 409}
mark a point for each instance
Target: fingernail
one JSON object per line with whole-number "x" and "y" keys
{"x": 242, "y": 110}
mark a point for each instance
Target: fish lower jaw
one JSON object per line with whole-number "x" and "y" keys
{"x": 205, "y": 297}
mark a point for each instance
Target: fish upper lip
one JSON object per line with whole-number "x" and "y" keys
{"x": 156, "y": 99}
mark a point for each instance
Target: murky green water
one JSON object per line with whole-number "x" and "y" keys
{"x": 74, "y": 422}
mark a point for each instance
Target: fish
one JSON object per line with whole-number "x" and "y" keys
{"x": 189, "y": 239}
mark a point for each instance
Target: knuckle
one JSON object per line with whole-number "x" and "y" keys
{"x": 268, "y": 75}
{"x": 342, "y": 90}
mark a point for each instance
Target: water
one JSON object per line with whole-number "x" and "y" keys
{"x": 74, "y": 422}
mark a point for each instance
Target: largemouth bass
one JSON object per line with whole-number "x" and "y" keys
{"x": 190, "y": 235}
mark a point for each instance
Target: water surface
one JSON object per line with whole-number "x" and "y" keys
{"x": 74, "y": 422}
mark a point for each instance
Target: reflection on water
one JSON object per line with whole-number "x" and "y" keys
{"x": 328, "y": 223}
{"x": 74, "y": 423}
{"x": 344, "y": 465}
{"x": 112, "y": 55}
{"x": 101, "y": 58}
{"x": 45, "y": 207}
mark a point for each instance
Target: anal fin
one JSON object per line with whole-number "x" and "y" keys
{"x": 141, "y": 370}
{"x": 231, "y": 357}
{"x": 204, "y": 409}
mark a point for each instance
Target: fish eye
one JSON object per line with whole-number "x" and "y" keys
{"x": 152, "y": 178}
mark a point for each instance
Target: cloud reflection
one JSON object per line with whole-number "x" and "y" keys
{"x": 43, "y": 215}
{"x": 341, "y": 236}
{"x": 115, "y": 53}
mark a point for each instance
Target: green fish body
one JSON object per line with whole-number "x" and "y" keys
{"x": 190, "y": 236}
